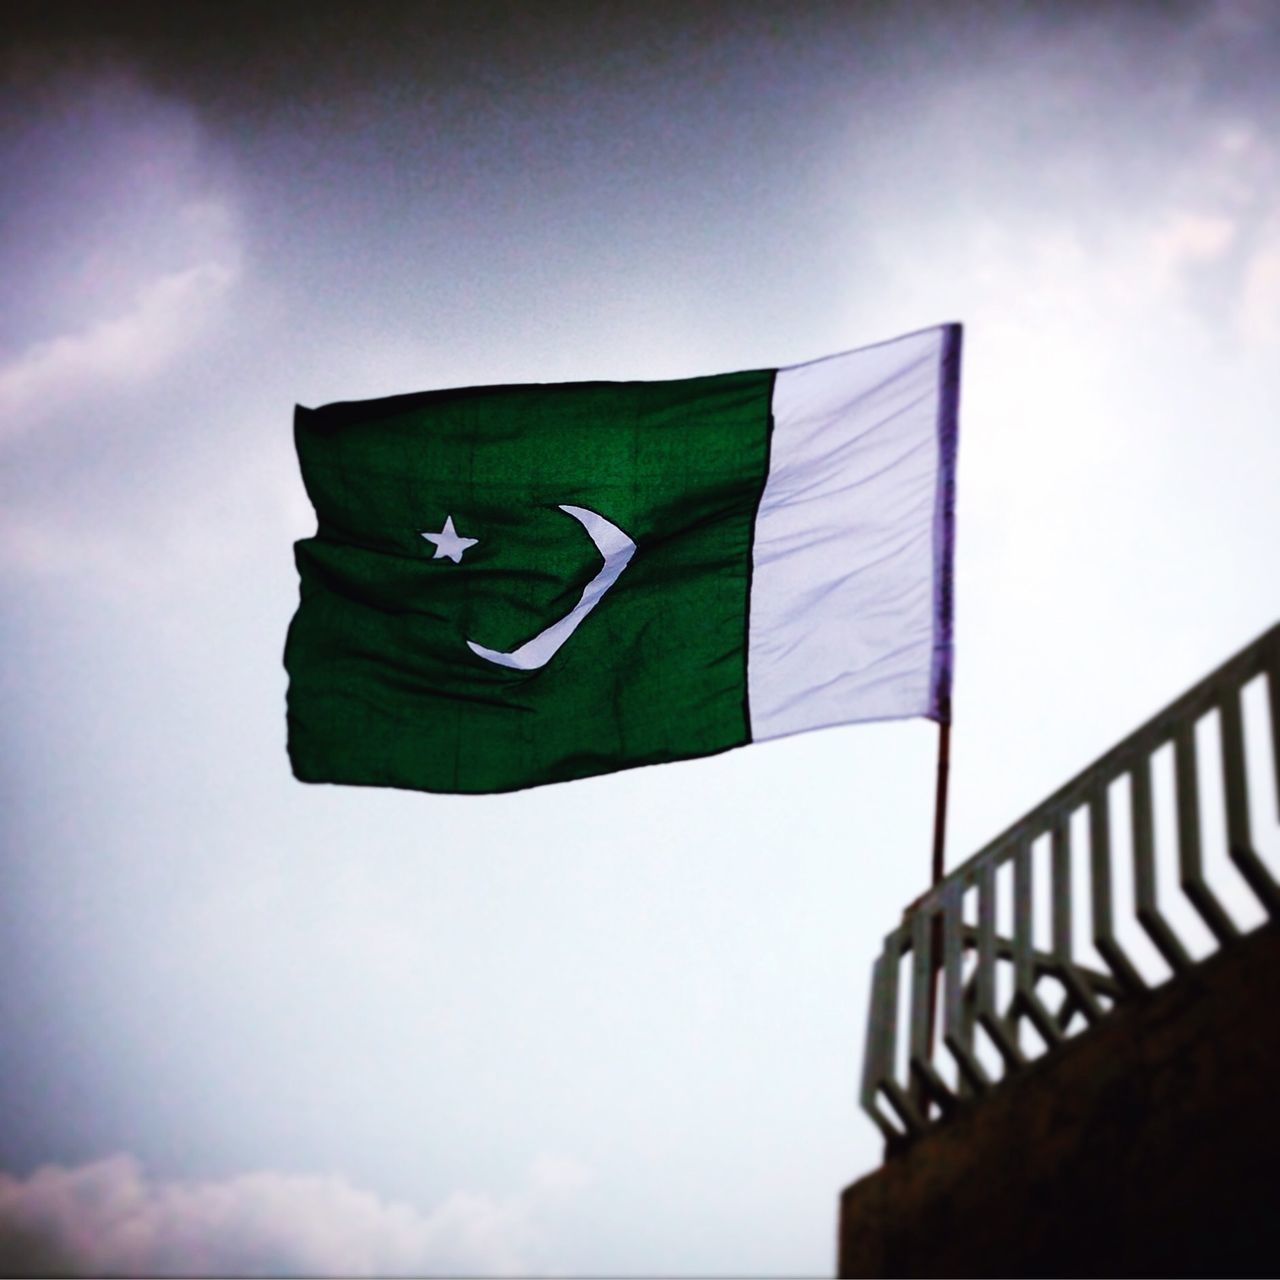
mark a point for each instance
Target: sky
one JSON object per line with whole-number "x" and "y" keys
{"x": 612, "y": 1026}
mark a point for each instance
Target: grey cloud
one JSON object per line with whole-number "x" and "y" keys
{"x": 51, "y": 376}
{"x": 125, "y": 267}
{"x": 109, "y": 185}
{"x": 120, "y": 226}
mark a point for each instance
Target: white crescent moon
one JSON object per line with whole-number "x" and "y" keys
{"x": 617, "y": 550}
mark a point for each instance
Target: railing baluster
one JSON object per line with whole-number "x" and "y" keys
{"x": 918, "y": 1023}
{"x": 913, "y": 1121}
{"x": 957, "y": 1025}
{"x": 1273, "y": 689}
{"x": 926, "y": 1081}
{"x": 874, "y": 1068}
{"x": 1024, "y": 967}
{"x": 1023, "y": 942}
{"x": 1236, "y": 788}
{"x": 1190, "y": 866}
{"x": 1063, "y": 933}
{"x": 989, "y": 1017}
{"x": 1104, "y": 933}
{"x": 1144, "y": 869}
{"x": 1063, "y": 940}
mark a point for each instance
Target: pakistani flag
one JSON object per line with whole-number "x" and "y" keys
{"x": 514, "y": 585}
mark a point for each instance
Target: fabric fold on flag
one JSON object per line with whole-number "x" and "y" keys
{"x": 516, "y": 585}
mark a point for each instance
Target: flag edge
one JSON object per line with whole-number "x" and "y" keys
{"x": 944, "y": 529}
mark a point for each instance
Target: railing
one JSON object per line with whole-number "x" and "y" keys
{"x": 1020, "y": 971}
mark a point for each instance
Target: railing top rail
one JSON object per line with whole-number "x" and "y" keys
{"x": 1237, "y": 669}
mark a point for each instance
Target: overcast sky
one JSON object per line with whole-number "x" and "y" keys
{"x": 612, "y": 1026}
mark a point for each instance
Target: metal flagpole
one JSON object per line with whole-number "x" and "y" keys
{"x": 939, "y": 859}
{"x": 940, "y": 798}
{"x": 938, "y": 869}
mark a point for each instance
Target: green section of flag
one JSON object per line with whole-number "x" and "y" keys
{"x": 383, "y": 687}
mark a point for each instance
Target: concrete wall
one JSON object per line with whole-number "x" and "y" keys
{"x": 1148, "y": 1146}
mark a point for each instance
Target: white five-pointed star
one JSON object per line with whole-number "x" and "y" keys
{"x": 448, "y": 543}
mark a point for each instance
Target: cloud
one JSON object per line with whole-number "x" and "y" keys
{"x": 125, "y": 238}
{"x": 1079, "y": 186}
{"x": 1260, "y": 304}
{"x": 1190, "y": 237}
{"x": 50, "y": 377}
{"x": 124, "y": 265}
{"x": 108, "y": 1218}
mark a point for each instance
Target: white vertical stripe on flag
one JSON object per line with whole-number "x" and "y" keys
{"x": 848, "y": 608}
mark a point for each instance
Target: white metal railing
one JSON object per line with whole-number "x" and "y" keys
{"x": 1020, "y": 972}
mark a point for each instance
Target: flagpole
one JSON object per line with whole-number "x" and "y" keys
{"x": 939, "y": 859}
{"x": 940, "y": 799}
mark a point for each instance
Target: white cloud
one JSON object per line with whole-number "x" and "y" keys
{"x": 1260, "y": 301}
{"x": 166, "y": 316}
{"x": 1188, "y": 237}
{"x": 108, "y": 1217}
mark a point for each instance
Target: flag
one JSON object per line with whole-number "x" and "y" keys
{"x": 516, "y": 585}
